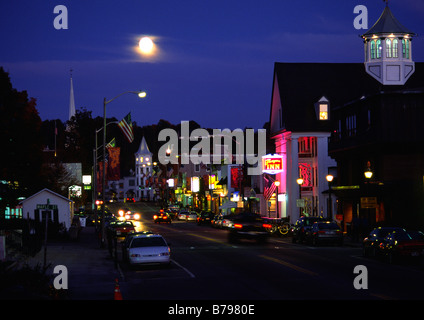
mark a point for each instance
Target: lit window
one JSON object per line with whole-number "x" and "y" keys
{"x": 388, "y": 48}
{"x": 395, "y": 48}
{"x": 405, "y": 48}
{"x": 379, "y": 47}
{"x": 373, "y": 55}
{"x": 141, "y": 159}
{"x": 323, "y": 111}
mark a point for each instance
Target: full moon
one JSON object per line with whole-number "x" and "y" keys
{"x": 146, "y": 45}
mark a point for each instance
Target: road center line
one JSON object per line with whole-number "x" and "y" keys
{"x": 185, "y": 269}
{"x": 209, "y": 239}
{"x": 289, "y": 265}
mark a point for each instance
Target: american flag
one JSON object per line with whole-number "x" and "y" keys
{"x": 269, "y": 187}
{"x": 127, "y": 128}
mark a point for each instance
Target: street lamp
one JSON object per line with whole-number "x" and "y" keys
{"x": 368, "y": 173}
{"x": 141, "y": 94}
{"x": 300, "y": 182}
{"x": 277, "y": 184}
{"x": 329, "y": 178}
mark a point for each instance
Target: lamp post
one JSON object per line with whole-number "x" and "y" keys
{"x": 300, "y": 182}
{"x": 329, "y": 178}
{"x": 141, "y": 94}
{"x": 277, "y": 184}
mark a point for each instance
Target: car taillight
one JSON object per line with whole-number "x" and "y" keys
{"x": 268, "y": 226}
{"x": 238, "y": 225}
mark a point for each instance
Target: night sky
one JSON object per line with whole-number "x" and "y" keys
{"x": 214, "y": 61}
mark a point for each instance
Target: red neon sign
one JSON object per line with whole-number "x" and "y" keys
{"x": 272, "y": 164}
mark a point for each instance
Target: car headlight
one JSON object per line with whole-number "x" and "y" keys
{"x": 136, "y": 216}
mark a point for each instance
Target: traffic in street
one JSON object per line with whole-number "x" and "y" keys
{"x": 204, "y": 264}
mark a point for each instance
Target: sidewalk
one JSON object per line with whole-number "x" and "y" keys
{"x": 91, "y": 270}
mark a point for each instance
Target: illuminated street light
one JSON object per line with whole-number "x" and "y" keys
{"x": 141, "y": 94}
{"x": 368, "y": 174}
{"x": 329, "y": 178}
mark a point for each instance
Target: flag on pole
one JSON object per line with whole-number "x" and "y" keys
{"x": 269, "y": 187}
{"x": 127, "y": 128}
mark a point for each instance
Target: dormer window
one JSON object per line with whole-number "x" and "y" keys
{"x": 322, "y": 109}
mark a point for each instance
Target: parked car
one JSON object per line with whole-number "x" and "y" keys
{"x": 148, "y": 248}
{"x": 162, "y": 216}
{"x": 205, "y": 217}
{"x": 121, "y": 228}
{"x": 248, "y": 225}
{"x": 402, "y": 244}
{"x": 302, "y": 225}
{"x": 182, "y": 214}
{"x": 370, "y": 244}
{"x": 126, "y": 243}
{"x": 324, "y": 232}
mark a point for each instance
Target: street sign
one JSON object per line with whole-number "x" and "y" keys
{"x": 47, "y": 206}
{"x": 369, "y": 202}
{"x": 300, "y": 203}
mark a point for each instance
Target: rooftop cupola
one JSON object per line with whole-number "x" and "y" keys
{"x": 388, "y": 52}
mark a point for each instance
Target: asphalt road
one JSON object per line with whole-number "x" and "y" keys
{"x": 206, "y": 267}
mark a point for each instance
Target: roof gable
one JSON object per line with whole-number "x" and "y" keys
{"x": 48, "y": 191}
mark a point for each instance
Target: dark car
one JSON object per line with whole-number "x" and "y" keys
{"x": 325, "y": 232}
{"x": 402, "y": 244}
{"x": 247, "y": 226}
{"x": 162, "y": 216}
{"x": 205, "y": 217}
{"x": 302, "y": 226}
{"x": 370, "y": 244}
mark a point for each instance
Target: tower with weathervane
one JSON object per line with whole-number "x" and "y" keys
{"x": 388, "y": 51}
{"x": 143, "y": 170}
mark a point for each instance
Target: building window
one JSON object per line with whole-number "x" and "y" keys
{"x": 307, "y": 147}
{"x": 373, "y": 51}
{"x": 395, "y": 48}
{"x": 351, "y": 125}
{"x": 323, "y": 111}
{"x": 405, "y": 48}
{"x": 378, "y": 49}
{"x": 388, "y": 48}
{"x": 369, "y": 118}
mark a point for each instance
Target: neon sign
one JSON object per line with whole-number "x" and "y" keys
{"x": 272, "y": 163}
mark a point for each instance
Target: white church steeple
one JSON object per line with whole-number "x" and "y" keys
{"x": 71, "y": 101}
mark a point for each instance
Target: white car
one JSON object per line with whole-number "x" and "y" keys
{"x": 148, "y": 248}
{"x": 191, "y": 216}
{"x": 182, "y": 215}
